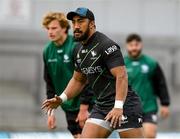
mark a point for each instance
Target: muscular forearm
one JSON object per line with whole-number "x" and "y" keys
{"x": 74, "y": 87}
{"x": 121, "y": 93}
{"x": 121, "y": 87}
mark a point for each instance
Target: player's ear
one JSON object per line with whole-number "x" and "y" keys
{"x": 92, "y": 24}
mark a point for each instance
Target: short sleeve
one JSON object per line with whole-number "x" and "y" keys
{"x": 112, "y": 55}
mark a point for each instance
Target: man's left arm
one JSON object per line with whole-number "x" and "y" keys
{"x": 161, "y": 90}
{"x": 121, "y": 82}
{"x": 115, "y": 63}
{"x": 121, "y": 92}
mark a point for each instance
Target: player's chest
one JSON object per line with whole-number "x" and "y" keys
{"x": 59, "y": 59}
{"x": 138, "y": 69}
{"x": 90, "y": 60}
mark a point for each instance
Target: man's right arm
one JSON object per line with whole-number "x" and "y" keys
{"x": 78, "y": 80}
{"x": 75, "y": 85}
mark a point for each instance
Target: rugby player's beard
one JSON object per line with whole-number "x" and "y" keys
{"x": 83, "y": 37}
{"x": 135, "y": 56}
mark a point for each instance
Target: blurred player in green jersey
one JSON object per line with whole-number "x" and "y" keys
{"x": 58, "y": 70}
{"x": 147, "y": 79}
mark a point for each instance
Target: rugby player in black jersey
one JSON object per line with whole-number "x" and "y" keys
{"x": 98, "y": 61}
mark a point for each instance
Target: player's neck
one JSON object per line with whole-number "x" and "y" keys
{"x": 135, "y": 57}
{"x": 90, "y": 35}
{"x": 61, "y": 40}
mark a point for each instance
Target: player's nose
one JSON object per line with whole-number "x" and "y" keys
{"x": 76, "y": 25}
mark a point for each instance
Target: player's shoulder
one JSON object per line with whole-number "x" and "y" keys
{"x": 126, "y": 57}
{"x": 107, "y": 42}
{"x": 47, "y": 50}
{"x": 150, "y": 60}
{"x": 127, "y": 60}
{"x": 104, "y": 39}
{"x": 47, "y": 47}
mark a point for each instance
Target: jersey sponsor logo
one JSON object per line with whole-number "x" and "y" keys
{"x": 91, "y": 70}
{"x": 111, "y": 49}
{"x": 52, "y": 60}
{"x": 59, "y": 51}
{"x": 93, "y": 53}
{"x": 124, "y": 119}
{"x": 144, "y": 68}
{"x": 135, "y": 63}
{"x": 84, "y": 51}
{"x": 66, "y": 58}
{"x": 154, "y": 117}
{"x": 140, "y": 120}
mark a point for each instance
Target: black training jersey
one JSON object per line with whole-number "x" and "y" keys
{"x": 95, "y": 59}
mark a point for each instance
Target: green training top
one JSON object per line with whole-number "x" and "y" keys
{"x": 140, "y": 72}
{"x": 60, "y": 67}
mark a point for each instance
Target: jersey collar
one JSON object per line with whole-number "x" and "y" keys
{"x": 136, "y": 59}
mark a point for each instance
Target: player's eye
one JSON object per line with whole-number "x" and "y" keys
{"x": 80, "y": 21}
